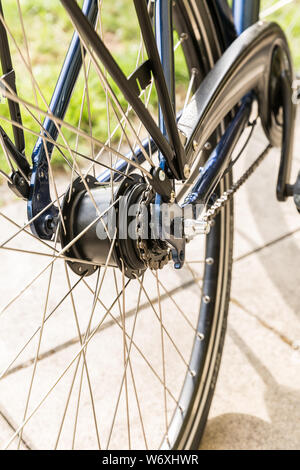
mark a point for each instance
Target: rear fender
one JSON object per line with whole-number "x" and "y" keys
{"x": 259, "y": 59}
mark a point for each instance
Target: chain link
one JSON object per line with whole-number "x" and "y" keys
{"x": 161, "y": 257}
{"x": 214, "y": 210}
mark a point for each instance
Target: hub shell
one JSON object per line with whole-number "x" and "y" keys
{"x": 81, "y": 209}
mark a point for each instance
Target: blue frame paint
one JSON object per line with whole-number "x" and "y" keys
{"x": 219, "y": 159}
{"x": 245, "y": 13}
{"x": 164, "y": 41}
{"x": 39, "y": 197}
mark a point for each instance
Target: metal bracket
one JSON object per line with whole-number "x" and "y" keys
{"x": 161, "y": 183}
{"x": 15, "y": 154}
{"x": 169, "y": 226}
{"x": 19, "y": 185}
{"x": 19, "y": 179}
{"x": 294, "y": 190}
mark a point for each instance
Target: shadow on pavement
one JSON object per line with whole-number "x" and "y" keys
{"x": 242, "y": 431}
{"x": 282, "y": 270}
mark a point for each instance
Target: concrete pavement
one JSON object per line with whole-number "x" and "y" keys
{"x": 257, "y": 399}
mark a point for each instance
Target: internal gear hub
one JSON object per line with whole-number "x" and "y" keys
{"x": 124, "y": 224}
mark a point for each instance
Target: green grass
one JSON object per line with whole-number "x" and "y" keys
{"x": 289, "y": 19}
{"x": 49, "y": 32}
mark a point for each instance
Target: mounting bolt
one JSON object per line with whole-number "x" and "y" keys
{"x": 207, "y": 146}
{"x": 172, "y": 197}
{"x": 195, "y": 145}
{"x": 186, "y": 171}
{"x": 162, "y": 175}
{"x": 49, "y": 223}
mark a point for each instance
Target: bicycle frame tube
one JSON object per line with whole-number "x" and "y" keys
{"x": 171, "y": 148}
{"x": 219, "y": 159}
{"x": 164, "y": 41}
{"x": 39, "y": 196}
{"x": 245, "y": 13}
{"x": 160, "y": 52}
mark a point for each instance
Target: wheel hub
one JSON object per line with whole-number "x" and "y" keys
{"x": 111, "y": 225}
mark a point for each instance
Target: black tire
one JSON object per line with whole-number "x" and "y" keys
{"x": 197, "y": 393}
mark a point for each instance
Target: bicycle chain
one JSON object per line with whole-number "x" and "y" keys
{"x": 214, "y": 210}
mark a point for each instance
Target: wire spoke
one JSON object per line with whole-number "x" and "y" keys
{"x": 38, "y": 348}
{"x": 84, "y": 363}
{"x": 276, "y": 7}
{"x": 84, "y": 344}
{"x": 127, "y": 361}
{"x": 61, "y": 123}
{"x": 170, "y": 296}
{"x": 61, "y": 252}
{"x": 58, "y": 122}
{"x": 138, "y": 349}
{"x": 108, "y": 324}
{"x": 99, "y": 131}
{"x": 6, "y": 370}
{"x": 164, "y": 328}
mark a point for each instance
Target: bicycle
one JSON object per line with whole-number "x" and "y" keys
{"x": 200, "y": 67}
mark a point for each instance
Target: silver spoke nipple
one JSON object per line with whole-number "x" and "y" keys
{"x": 162, "y": 175}
{"x": 186, "y": 171}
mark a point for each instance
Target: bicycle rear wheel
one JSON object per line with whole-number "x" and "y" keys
{"x": 106, "y": 361}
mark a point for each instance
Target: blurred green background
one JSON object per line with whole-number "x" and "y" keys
{"x": 289, "y": 19}
{"x": 49, "y": 32}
